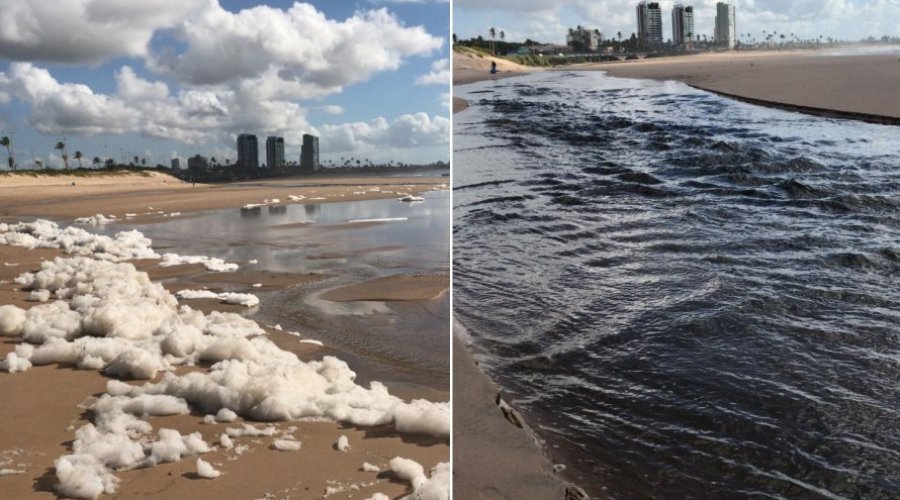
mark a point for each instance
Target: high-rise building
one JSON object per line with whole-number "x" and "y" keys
{"x": 176, "y": 164}
{"x": 275, "y": 152}
{"x": 248, "y": 151}
{"x": 682, "y": 24}
{"x": 583, "y": 39}
{"x": 309, "y": 154}
{"x": 649, "y": 25}
{"x": 725, "y": 25}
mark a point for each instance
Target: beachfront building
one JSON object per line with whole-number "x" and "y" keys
{"x": 176, "y": 164}
{"x": 583, "y": 39}
{"x": 197, "y": 163}
{"x": 682, "y": 24}
{"x": 275, "y": 152}
{"x": 725, "y": 25}
{"x": 248, "y": 151}
{"x": 649, "y": 25}
{"x": 309, "y": 153}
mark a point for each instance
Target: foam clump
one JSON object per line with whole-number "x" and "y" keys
{"x": 82, "y": 476}
{"x": 206, "y": 470}
{"x": 210, "y": 263}
{"x": 95, "y": 220}
{"x": 225, "y": 415}
{"x": 286, "y": 445}
{"x": 12, "y": 320}
{"x": 343, "y": 444}
{"x": 436, "y": 486}
{"x": 367, "y": 467}
{"x": 379, "y": 496}
{"x": 241, "y": 299}
{"x": 13, "y": 363}
{"x": 106, "y": 315}
{"x": 73, "y": 240}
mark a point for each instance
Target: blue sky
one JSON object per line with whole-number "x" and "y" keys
{"x": 164, "y": 78}
{"x": 548, "y": 20}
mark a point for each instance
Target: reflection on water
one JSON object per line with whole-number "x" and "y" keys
{"x": 690, "y": 297}
{"x": 400, "y": 342}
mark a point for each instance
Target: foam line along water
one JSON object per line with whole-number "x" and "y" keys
{"x": 689, "y": 297}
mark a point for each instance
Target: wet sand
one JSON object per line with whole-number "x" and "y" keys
{"x": 43, "y": 406}
{"x": 150, "y": 198}
{"x": 392, "y": 288}
{"x": 492, "y": 457}
{"x": 862, "y": 87}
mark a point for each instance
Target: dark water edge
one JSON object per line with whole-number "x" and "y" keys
{"x": 690, "y": 297}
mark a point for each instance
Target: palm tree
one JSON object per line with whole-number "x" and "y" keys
{"x": 136, "y": 160}
{"x": 143, "y": 162}
{"x": 65, "y": 156}
{"x": 96, "y": 162}
{"x": 493, "y": 33}
{"x": 6, "y": 142}
{"x": 78, "y": 157}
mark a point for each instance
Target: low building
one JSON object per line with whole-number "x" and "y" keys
{"x": 197, "y": 162}
{"x": 582, "y": 39}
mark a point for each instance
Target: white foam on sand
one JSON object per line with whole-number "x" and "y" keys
{"x": 241, "y": 299}
{"x": 343, "y": 444}
{"x": 286, "y": 445}
{"x": 435, "y": 486}
{"x": 206, "y": 470}
{"x": 107, "y": 315}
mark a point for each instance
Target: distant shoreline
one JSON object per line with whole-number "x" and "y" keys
{"x": 856, "y": 87}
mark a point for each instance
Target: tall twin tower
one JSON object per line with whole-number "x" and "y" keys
{"x": 248, "y": 153}
{"x": 650, "y": 29}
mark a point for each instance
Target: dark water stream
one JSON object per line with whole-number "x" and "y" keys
{"x": 689, "y": 297}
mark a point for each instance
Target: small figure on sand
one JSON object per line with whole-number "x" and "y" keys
{"x": 493, "y": 67}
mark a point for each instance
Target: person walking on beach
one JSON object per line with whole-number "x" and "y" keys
{"x": 493, "y": 67}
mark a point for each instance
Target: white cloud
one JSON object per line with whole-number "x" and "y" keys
{"x": 300, "y": 52}
{"x": 439, "y": 74}
{"x": 333, "y": 109}
{"x": 85, "y": 31}
{"x": 407, "y": 131}
{"x": 145, "y": 108}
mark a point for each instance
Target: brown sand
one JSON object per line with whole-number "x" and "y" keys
{"x": 45, "y": 196}
{"x": 43, "y": 406}
{"x": 492, "y": 458}
{"x": 398, "y": 287}
{"x": 859, "y": 87}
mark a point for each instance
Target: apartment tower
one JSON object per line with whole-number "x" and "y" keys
{"x": 649, "y": 25}
{"x": 682, "y": 24}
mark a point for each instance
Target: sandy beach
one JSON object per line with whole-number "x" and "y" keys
{"x": 158, "y": 195}
{"x": 847, "y": 86}
{"x": 46, "y": 404}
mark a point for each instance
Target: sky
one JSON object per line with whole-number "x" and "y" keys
{"x": 160, "y": 79}
{"x": 549, "y": 20}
